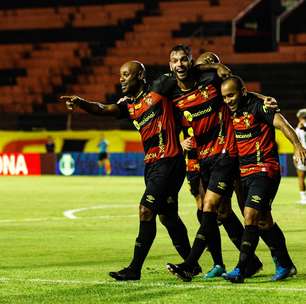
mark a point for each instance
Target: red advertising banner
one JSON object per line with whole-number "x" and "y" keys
{"x": 19, "y": 164}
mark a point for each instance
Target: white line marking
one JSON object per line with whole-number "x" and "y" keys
{"x": 200, "y": 285}
{"x": 71, "y": 213}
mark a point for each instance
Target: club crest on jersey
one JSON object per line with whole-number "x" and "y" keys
{"x": 204, "y": 92}
{"x": 136, "y": 124}
{"x": 188, "y": 116}
{"x": 148, "y": 100}
{"x": 246, "y": 119}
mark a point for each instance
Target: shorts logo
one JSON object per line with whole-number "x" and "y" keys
{"x": 222, "y": 185}
{"x": 256, "y": 199}
{"x": 150, "y": 198}
{"x": 138, "y": 106}
{"x": 170, "y": 200}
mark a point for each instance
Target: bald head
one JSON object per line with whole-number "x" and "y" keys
{"x": 207, "y": 58}
{"x": 132, "y": 77}
{"x": 134, "y": 66}
{"x": 233, "y": 89}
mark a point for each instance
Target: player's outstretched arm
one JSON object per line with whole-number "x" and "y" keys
{"x": 269, "y": 102}
{"x": 280, "y": 122}
{"x": 91, "y": 107}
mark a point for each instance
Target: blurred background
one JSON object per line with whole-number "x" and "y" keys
{"x": 51, "y": 48}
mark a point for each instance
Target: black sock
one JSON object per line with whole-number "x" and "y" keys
{"x": 249, "y": 243}
{"x": 234, "y": 229}
{"x": 178, "y": 234}
{"x": 146, "y": 236}
{"x": 212, "y": 233}
{"x": 276, "y": 241}
{"x": 199, "y": 215}
{"x": 208, "y": 233}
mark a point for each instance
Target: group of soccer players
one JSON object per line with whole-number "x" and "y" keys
{"x": 225, "y": 127}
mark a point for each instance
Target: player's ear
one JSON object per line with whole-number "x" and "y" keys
{"x": 141, "y": 75}
{"x": 170, "y": 66}
{"x": 244, "y": 91}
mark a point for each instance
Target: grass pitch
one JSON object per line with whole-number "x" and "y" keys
{"x": 49, "y": 258}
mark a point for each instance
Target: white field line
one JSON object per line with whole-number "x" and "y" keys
{"x": 154, "y": 285}
{"x": 71, "y": 213}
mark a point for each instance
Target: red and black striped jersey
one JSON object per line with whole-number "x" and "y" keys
{"x": 204, "y": 115}
{"x": 152, "y": 115}
{"x": 255, "y": 136}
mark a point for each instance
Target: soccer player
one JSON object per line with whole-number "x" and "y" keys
{"x": 300, "y": 168}
{"x": 152, "y": 115}
{"x": 204, "y": 116}
{"x": 254, "y": 127}
{"x": 226, "y": 215}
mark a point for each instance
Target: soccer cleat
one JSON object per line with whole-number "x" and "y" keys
{"x": 126, "y": 274}
{"x": 293, "y": 271}
{"x": 182, "y": 271}
{"x": 281, "y": 273}
{"x": 234, "y": 276}
{"x": 215, "y": 272}
{"x": 253, "y": 267}
{"x": 196, "y": 270}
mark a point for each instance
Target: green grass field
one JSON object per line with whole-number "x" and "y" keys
{"x": 49, "y": 258}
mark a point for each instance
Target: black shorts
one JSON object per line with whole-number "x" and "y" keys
{"x": 259, "y": 191}
{"x": 194, "y": 179}
{"x": 218, "y": 173}
{"x": 164, "y": 179}
{"x": 102, "y": 156}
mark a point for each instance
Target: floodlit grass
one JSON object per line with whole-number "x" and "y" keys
{"x": 47, "y": 258}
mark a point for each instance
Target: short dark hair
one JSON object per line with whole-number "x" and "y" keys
{"x": 182, "y": 47}
{"x": 237, "y": 80}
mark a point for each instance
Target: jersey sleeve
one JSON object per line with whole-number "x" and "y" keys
{"x": 123, "y": 110}
{"x": 209, "y": 77}
{"x": 164, "y": 85}
{"x": 262, "y": 112}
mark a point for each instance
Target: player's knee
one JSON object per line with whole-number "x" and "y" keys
{"x": 250, "y": 216}
{"x": 225, "y": 209}
{"x": 210, "y": 205}
{"x": 168, "y": 221}
{"x": 145, "y": 214}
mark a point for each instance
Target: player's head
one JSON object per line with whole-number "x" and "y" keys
{"x": 181, "y": 61}
{"x": 207, "y": 58}
{"x": 301, "y": 115}
{"x": 233, "y": 89}
{"x": 132, "y": 77}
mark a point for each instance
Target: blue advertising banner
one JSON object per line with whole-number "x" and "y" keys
{"x": 122, "y": 164}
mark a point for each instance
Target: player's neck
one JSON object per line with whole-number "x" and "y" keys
{"x": 139, "y": 92}
{"x": 186, "y": 84}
